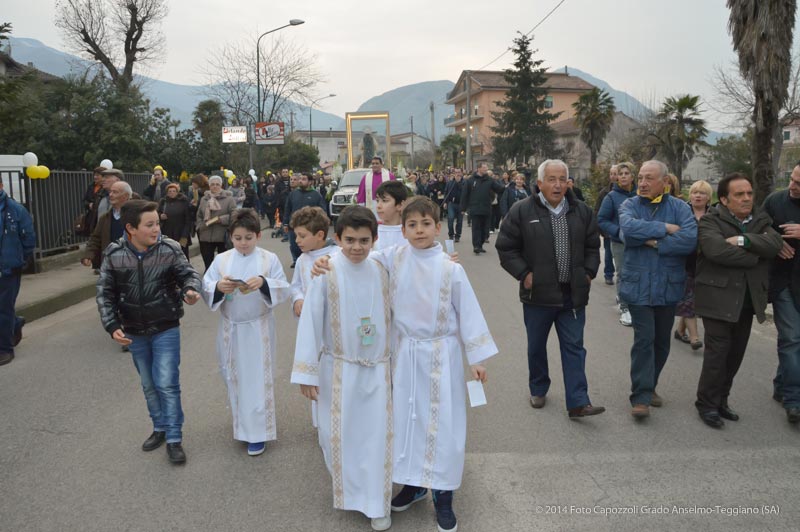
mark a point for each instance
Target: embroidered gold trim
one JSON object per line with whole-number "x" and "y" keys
{"x": 306, "y": 368}
{"x": 476, "y": 343}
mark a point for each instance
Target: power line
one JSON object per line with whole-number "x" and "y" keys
{"x": 527, "y": 34}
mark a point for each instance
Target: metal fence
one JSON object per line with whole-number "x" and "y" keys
{"x": 55, "y": 202}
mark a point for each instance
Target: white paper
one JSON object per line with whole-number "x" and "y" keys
{"x": 448, "y": 245}
{"x": 314, "y": 420}
{"x": 477, "y": 397}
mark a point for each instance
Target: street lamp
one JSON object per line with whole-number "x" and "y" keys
{"x": 292, "y": 22}
{"x": 310, "y": 109}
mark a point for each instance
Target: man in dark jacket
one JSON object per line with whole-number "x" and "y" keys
{"x": 109, "y": 226}
{"x": 143, "y": 281}
{"x": 157, "y": 188}
{"x": 783, "y": 207}
{"x": 608, "y": 258}
{"x": 452, "y": 199}
{"x": 17, "y": 242}
{"x": 305, "y": 195}
{"x": 550, "y": 243}
{"x": 736, "y": 245}
{"x": 476, "y": 198}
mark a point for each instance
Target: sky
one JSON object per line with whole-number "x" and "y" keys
{"x": 649, "y": 48}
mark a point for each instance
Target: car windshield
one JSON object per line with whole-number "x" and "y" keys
{"x": 352, "y": 178}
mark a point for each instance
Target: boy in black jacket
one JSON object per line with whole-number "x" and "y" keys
{"x": 143, "y": 281}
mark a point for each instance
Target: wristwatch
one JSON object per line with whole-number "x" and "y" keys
{"x": 740, "y": 241}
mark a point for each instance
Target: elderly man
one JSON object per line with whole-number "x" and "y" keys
{"x": 659, "y": 231}
{"x": 784, "y": 291}
{"x": 477, "y": 200}
{"x": 16, "y": 248}
{"x": 550, "y": 243}
{"x": 370, "y": 182}
{"x": 158, "y": 185}
{"x": 736, "y": 245}
{"x": 110, "y": 176}
{"x": 109, "y": 227}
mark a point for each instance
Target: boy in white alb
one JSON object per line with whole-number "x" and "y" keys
{"x": 435, "y": 323}
{"x": 389, "y": 199}
{"x": 245, "y": 283}
{"x": 310, "y": 226}
{"x": 343, "y": 360}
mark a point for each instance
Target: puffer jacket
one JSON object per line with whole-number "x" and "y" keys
{"x": 655, "y": 276}
{"x": 215, "y": 232}
{"x": 725, "y": 272}
{"x": 144, "y": 295}
{"x": 526, "y": 244}
{"x": 608, "y": 215}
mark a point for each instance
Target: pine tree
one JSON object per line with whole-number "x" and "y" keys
{"x": 523, "y": 127}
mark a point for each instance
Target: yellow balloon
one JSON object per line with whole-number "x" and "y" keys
{"x": 31, "y": 172}
{"x": 44, "y": 172}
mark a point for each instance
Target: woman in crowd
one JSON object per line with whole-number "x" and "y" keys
{"x": 176, "y": 217}
{"x": 686, "y": 332}
{"x": 237, "y": 191}
{"x": 250, "y": 196}
{"x": 213, "y": 217}
{"x": 516, "y": 191}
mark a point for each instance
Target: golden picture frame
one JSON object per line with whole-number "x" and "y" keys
{"x": 364, "y": 116}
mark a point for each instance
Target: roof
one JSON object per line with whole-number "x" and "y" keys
{"x": 495, "y": 79}
{"x": 17, "y": 69}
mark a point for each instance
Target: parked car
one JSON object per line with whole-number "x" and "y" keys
{"x": 346, "y": 193}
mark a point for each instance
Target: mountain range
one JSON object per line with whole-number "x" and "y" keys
{"x": 402, "y": 103}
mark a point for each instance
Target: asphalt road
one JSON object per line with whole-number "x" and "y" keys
{"x": 73, "y": 419}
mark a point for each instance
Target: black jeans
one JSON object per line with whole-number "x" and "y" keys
{"x": 480, "y": 229}
{"x": 725, "y": 346}
{"x": 208, "y": 249}
{"x": 9, "y": 321}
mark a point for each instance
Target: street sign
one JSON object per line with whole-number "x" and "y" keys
{"x": 269, "y": 133}
{"x": 234, "y": 134}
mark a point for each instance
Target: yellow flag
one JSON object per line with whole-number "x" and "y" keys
{"x": 430, "y": 168}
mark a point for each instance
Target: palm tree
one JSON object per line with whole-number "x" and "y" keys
{"x": 762, "y": 36}
{"x": 679, "y": 131}
{"x": 594, "y": 114}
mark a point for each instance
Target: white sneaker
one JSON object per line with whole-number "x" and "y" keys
{"x": 625, "y": 319}
{"x": 381, "y": 523}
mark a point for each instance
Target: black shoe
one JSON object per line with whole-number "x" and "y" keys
{"x": 712, "y": 419}
{"x": 727, "y": 412}
{"x": 482, "y": 250}
{"x": 18, "y": 333}
{"x": 292, "y": 266}
{"x": 457, "y": 239}
{"x": 408, "y": 496}
{"x": 445, "y": 517}
{"x": 793, "y": 414}
{"x": 777, "y": 397}
{"x": 154, "y": 441}
{"x": 477, "y": 251}
{"x": 5, "y": 358}
{"x": 125, "y": 349}
{"x": 175, "y": 453}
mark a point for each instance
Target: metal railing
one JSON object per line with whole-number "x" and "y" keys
{"x": 55, "y": 202}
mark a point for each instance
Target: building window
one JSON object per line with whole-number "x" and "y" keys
{"x": 476, "y": 110}
{"x": 786, "y": 134}
{"x": 462, "y": 112}
{"x": 548, "y": 102}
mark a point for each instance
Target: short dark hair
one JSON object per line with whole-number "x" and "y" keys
{"x": 246, "y": 219}
{"x": 132, "y": 210}
{"x": 99, "y": 170}
{"x": 356, "y": 217}
{"x": 394, "y": 189}
{"x": 312, "y": 218}
{"x": 725, "y": 183}
{"x": 376, "y": 158}
{"x": 421, "y": 205}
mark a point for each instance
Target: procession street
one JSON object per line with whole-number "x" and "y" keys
{"x": 73, "y": 420}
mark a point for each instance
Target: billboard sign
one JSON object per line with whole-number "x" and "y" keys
{"x": 269, "y": 133}
{"x": 234, "y": 134}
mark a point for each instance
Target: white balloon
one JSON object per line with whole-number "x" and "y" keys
{"x": 252, "y": 172}
{"x": 107, "y": 164}
{"x": 30, "y": 159}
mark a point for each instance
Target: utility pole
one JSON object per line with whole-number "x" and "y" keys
{"x": 468, "y": 157}
{"x": 291, "y": 122}
{"x": 412, "y": 139}
{"x": 433, "y": 133}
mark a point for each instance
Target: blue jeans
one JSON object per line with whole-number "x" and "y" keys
{"x": 454, "y": 214}
{"x": 293, "y": 247}
{"x": 157, "y": 358}
{"x": 652, "y": 327}
{"x": 569, "y": 327}
{"x": 9, "y": 321}
{"x": 608, "y": 259}
{"x": 787, "y": 321}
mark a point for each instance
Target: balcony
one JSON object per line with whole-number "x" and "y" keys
{"x": 455, "y": 121}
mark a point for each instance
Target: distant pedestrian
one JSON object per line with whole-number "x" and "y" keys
{"x": 16, "y": 249}
{"x": 452, "y": 201}
{"x": 575, "y": 189}
{"x": 110, "y": 176}
{"x": 213, "y": 217}
{"x": 476, "y": 199}
{"x": 516, "y": 190}
{"x": 369, "y": 184}
{"x": 658, "y": 231}
{"x": 176, "y": 217}
{"x": 91, "y": 200}
{"x": 303, "y": 196}
{"x": 157, "y": 188}
{"x": 608, "y": 257}
{"x": 109, "y": 226}
{"x": 550, "y": 244}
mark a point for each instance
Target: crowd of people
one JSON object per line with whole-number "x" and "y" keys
{"x": 380, "y": 355}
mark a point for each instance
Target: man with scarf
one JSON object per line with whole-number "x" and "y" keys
{"x": 659, "y": 231}
{"x": 17, "y": 241}
{"x": 305, "y": 195}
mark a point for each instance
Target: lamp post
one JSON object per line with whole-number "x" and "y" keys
{"x": 310, "y": 109}
{"x": 260, "y": 113}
